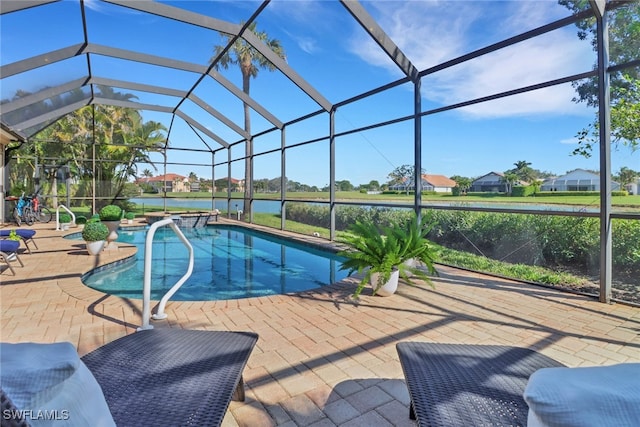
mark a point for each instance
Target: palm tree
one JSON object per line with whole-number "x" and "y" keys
{"x": 509, "y": 179}
{"x": 250, "y": 61}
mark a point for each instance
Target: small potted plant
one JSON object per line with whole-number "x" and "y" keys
{"x": 81, "y": 220}
{"x": 130, "y": 216}
{"x": 111, "y": 215}
{"x": 381, "y": 254}
{"x": 65, "y": 221}
{"x": 95, "y": 234}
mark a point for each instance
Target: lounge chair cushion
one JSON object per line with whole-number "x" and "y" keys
{"x": 587, "y": 396}
{"x": 22, "y": 232}
{"x": 50, "y": 381}
{"x": 9, "y": 246}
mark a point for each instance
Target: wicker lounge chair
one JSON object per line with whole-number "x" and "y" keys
{"x": 169, "y": 377}
{"x": 25, "y": 235}
{"x": 468, "y": 385}
{"x": 9, "y": 253}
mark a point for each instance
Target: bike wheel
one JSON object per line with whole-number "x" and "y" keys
{"x": 27, "y": 215}
{"x": 16, "y": 217}
{"x": 45, "y": 215}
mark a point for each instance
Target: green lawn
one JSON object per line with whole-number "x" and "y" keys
{"x": 629, "y": 201}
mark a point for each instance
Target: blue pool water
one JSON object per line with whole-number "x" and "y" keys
{"x": 230, "y": 263}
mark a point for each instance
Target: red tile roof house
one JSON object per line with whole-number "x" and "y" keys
{"x": 437, "y": 183}
{"x": 173, "y": 183}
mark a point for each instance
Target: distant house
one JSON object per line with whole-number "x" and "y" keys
{"x": 633, "y": 187}
{"x": 194, "y": 186}
{"x": 437, "y": 183}
{"x": 222, "y": 184}
{"x": 172, "y": 182}
{"x": 576, "y": 180}
{"x": 493, "y": 182}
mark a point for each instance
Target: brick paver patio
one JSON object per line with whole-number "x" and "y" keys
{"x": 321, "y": 360}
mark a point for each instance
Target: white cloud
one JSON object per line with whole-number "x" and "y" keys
{"x": 433, "y": 32}
{"x": 569, "y": 141}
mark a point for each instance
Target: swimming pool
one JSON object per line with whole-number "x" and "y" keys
{"x": 230, "y": 263}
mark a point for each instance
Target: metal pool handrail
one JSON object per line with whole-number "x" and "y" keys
{"x": 146, "y": 289}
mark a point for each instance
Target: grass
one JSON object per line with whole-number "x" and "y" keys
{"x": 528, "y": 273}
{"x": 628, "y": 201}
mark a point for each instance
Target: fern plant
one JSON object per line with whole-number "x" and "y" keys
{"x": 372, "y": 249}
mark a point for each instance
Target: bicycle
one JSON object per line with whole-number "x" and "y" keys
{"x": 23, "y": 211}
{"x": 40, "y": 213}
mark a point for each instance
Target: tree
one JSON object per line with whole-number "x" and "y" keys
{"x": 344, "y": 185}
{"x": 509, "y": 179}
{"x": 250, "y": 62}
{"x": 147, "y": 173}
{"x": 624, "y": 45}
{"x": 374, "y": 185}
{"x": 403, "y": 175}
{"x": 193, "y": 177}
{"x": 626, "y": 176}
{"x": 524, "y": 171}
{"x": 122, "y": 141}
{"x": 463, "y": 182}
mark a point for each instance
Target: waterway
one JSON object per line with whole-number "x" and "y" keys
{"x": 273, "y": 206}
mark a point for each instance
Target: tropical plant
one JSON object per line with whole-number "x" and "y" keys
{"x": 130, "y": 215}
{"x": 250, "y": 61}
{"x": 372, "y": 249}
{"x": 110, "y": 213}
{"x": 95, "y": 231}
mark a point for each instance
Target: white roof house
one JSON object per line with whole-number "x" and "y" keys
{"x": 576, "y": 180}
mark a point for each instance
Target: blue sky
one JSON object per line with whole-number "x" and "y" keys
{"x": 334, "y": 54}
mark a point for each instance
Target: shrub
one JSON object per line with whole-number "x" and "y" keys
{"x": 64, "y": 218}
{"x": 110, "y": 213}
{"x": 130, "y": 215}
{"x": 81, "y": 219}
{"x": 95, "y": 231}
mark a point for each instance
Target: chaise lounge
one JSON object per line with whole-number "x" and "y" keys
{"x": 25, "y": 235}
{"x": 9, "y": 253}
{"x": 468, "y": 385}
{"x": 153, "y": 377}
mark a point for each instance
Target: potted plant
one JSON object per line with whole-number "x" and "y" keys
{"x": 130, "y": 216}
{"x": 14, "y": 236}
{"x": 381, "y": 255}
{"x": 65, "y": 221}
{"x": 95, "y": 233}
{"x": 111, "y": 215}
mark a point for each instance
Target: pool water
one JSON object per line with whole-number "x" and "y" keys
{"x": 230, "y": 263}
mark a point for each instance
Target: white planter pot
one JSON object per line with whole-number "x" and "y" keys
{"x": 94, "y": 248}
{"x": 388, "y": 288}
{"x": 113, "y": 234}
{"x": 65, "y": 226}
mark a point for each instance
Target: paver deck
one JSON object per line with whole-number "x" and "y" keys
{"x": 321, "y": 360}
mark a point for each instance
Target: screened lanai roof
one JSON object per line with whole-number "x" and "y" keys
{"x": 58, "y": 56}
